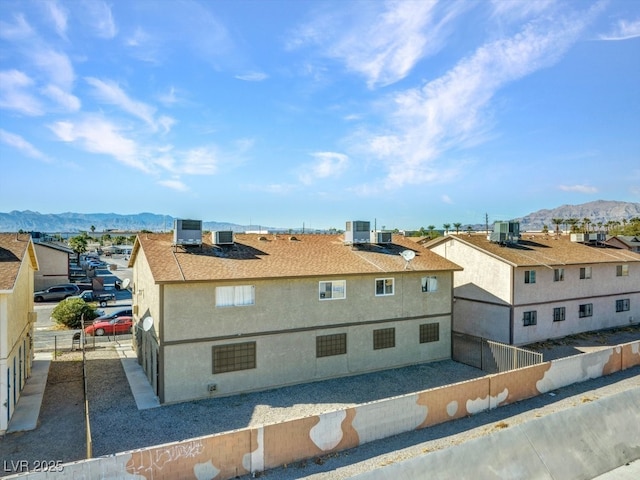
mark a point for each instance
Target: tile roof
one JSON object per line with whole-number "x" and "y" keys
{"x": 13, "y": 248}
{"x": 279, "y": 256}
{"x": 550, "y": 250}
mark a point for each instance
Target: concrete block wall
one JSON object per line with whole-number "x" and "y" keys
{"x": 230, "y": 454}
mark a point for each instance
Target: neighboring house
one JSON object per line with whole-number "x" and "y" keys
{"x": 262, "y": 311}
{"x": 18, "y": 262}
{"x": 627, "y": 242}
{"x": 53, "y": 260}
{"x": 540, "y": 287}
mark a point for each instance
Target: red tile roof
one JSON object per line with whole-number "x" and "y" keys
{"x": 279, "y": 256}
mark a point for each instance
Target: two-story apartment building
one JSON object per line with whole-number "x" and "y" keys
{"x": 53, "y": 261}
{"x": 224, "y": 317}
{"x": 18, "y": 263}
{"x": 539, "y": 287}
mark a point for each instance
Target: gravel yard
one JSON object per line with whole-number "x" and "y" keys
{"x": 117, "y": 425}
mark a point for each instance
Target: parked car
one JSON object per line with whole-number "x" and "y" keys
{"x": 84, "y": 283}
{"x": 125, "y": 312}
{"x": 103, "y": 298}
{"x": 56, "y": 292}
{"x": 114, "y": 326}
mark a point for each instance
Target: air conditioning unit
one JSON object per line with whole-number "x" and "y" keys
{"x": 222, "y": 237}
{"x": 381, "y": 237}
{"x": 187, "y": 232}
{"x": 357, "y": 231}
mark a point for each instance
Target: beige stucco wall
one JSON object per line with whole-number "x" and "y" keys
{"x": 16, "y": 333}
{"x": 53, "y": 267}
{"x": 284, "y": 322}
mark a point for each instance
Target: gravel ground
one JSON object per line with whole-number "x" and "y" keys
{"x": 117, "y": 425}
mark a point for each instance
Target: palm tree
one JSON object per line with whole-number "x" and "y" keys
{"x": 557, "y": 222}
{"x": 586, "y": 221}
{"x": 573, "y": 222}
{"x": 446, "y": 227}
{"x": 431, "y": 229}
{"x": 457, "y": 226}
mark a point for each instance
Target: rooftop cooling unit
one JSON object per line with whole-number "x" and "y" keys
{"x": 187, "y": 232}
{"x": 381, "y": 237}
{"x": 357, "y": 232}
{"x": 222, "y": 237}
{"x": 588, "y": 237}
{"x": 505, "y": 232}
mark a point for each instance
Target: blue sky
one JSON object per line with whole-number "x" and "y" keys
{"x": 284, "y": 113}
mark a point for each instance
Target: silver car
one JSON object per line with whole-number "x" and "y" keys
{"x": 56, "y": 292}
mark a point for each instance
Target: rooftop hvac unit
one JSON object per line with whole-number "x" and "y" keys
{"x": 505, "y": 232}
{"x": 588, "y": 237}
{"x": 357, "y": 232}
{"x": 187, "y": 232}
{"x": 381, "y": 237}
{"x": 222, "y": 237}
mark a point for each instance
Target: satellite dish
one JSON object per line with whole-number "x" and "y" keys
{"x": 125, "y": 283}
{"x": 408, "y": 255}
{"x": 147, "y": 324}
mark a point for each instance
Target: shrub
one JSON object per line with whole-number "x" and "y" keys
{"x": 69, "y": 312}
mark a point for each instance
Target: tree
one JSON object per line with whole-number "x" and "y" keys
{"x": 457, "y": 226}
{"x": 93, "y": 228}
{"x": 431, "y": 230}
{"x": 446, "y": 227}
{"x": 557, "y": 222}
{"x": 469, "y": 229}
{"x": 585, "y": 224}
{"x": 69, "y": 312}
{"x": 79, "y": 243}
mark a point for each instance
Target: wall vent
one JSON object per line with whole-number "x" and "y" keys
{"x": 187, "y": 232}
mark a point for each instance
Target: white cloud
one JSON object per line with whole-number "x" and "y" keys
{"x": 199, "y": 161}
{"x": 69, "y": 102}
{"x": 176, "y": 185}
{"x": 447, "y": 199}
{"x": 252, "y": 76}
{"x": 578, "y": 188}
{"x": 518, "y": 10}
{"x": 97, "y": 135}
{"x": 451, "y": 112}
{"x": 100, "y": 18}
{"x": 623, "y": 30}
{"x": 16, "y": 93}
{"x": 58, "y": 17}
{"x": 325, "y": 165}
{"x": 380, "y": 40}
{"x": 110, "y": 92}
{"x": 19, "y": 30}
{"x": 20, "y": 144}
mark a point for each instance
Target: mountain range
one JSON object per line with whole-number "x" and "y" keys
{"x": 597, "y": 211}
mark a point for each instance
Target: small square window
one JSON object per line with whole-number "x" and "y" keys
{"x": 623, "y": 305}
{"x": 529, "y": 276}
{"x": 429, "y": 332}
{"x": 585, "y": 273}
{"x": 234, "y": 357}
{"x": 530, "y": 318}
{"x": 429, "y": 284}
{"x": 585, "y": 310}
{"x": 558, "y": 274}
{"x": 384, "y": 338}
{"x": 622, "y": 270}
{"x": 334, "y": 290}
{"x": 559, "y": 314}
{"x": 384, "y": 286}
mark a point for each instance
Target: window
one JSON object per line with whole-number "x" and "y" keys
{"x": 429, "y": 284}
{"x": 384, "y": 338}
{"x": 585, "y": 310}
{"x": 328, "y": 345}
{"x": 622, "y": 270}
{"x": 530, "y": 318}
{"x": 558, "y": 274}
{"x": 559, "y": 314}
{"x": 623, "y": 305}
{"x": 529, "y": 276}
{"x": 235, "y": 296}
{"x": 585, "y": 273}
{"x": 237, "y": 356}
{"x": 429, "y": 332}
{"x": 333, "y": 290}
{"x": 384, "y": 286}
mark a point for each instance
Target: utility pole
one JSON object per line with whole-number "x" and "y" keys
{"x": 486, "y": 221}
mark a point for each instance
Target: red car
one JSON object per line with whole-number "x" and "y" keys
{"x": 110, "y": 327}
